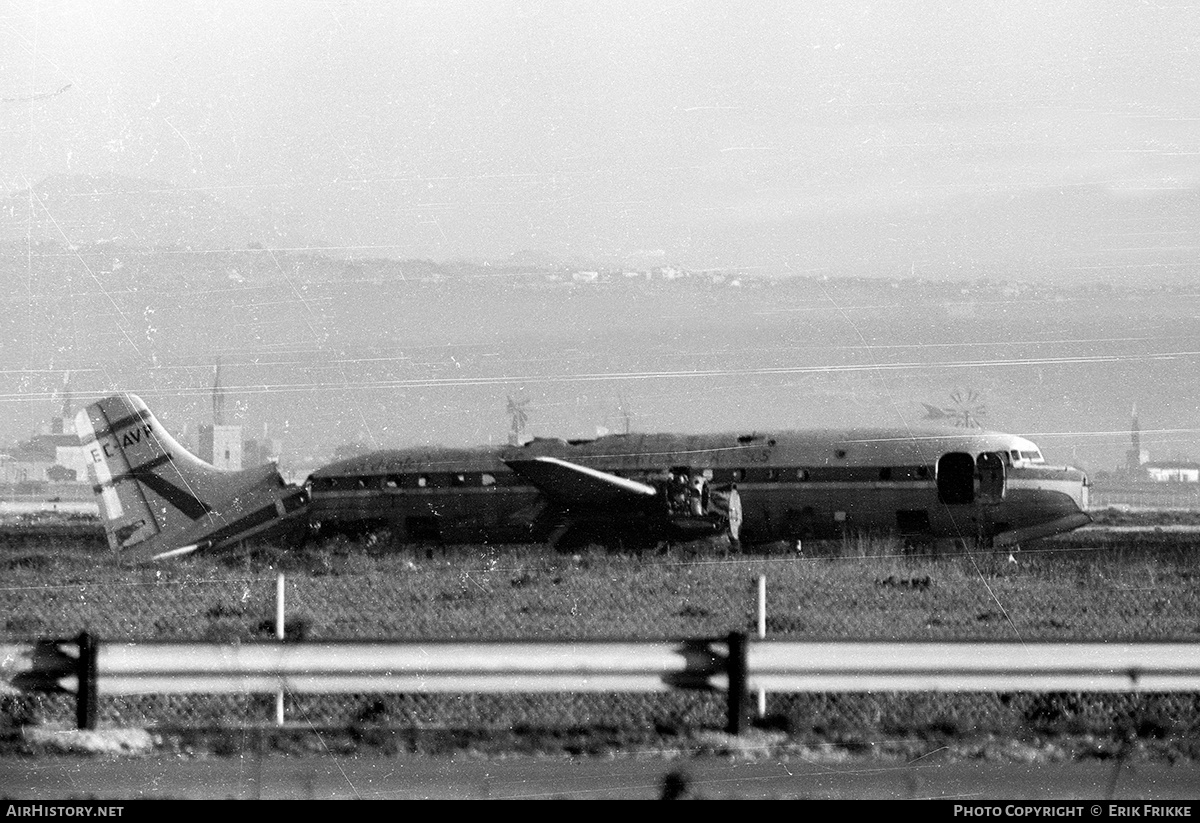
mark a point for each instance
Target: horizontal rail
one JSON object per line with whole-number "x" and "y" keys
{"x": 733, "y": 665}
{"x": 374, "y": 666}
{"x": 791, "y": 666}
{"x": 446, "y": 666}
{"x": 466, "y": 682}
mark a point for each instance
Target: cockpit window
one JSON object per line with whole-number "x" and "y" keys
{"x": 1030, "y": 456}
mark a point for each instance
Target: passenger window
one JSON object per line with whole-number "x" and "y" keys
{"x": 422, "y": 481}
{"x": 487, "y": 480}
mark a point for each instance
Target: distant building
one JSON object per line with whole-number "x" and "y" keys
{"x": 1172, "y": 471}
{"x": 20, "y": 466}
{"x": 220, "y": 446}
{"x": 54, "y": 455}
{"x": 69, "y": 461}
{"x": 265, "y": 450}
{"x": 1139, "y": 466}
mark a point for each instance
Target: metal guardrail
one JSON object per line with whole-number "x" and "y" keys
{"x": 365, "y": 666}
{"x": 55, "y": 666}
{"x": 733, "y": 664}
{"x": 991, "y": 666}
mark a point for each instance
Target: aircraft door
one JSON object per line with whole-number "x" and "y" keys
{"x": 990, "y": 466}
{"x": 956, "y": 478}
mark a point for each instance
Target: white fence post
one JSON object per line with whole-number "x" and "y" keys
{"x": 279, "y": 591}
{"x": 762, "y": 634}
{"x": 762, "y": 607}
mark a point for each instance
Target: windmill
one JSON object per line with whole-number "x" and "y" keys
{"x": 517, "y": 417}
{"x": 623, "y": 407}
{"x": 965, "y": 410}
{"x": 621, "y": 411}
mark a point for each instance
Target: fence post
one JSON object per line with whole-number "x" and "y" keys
{"x": 86, "y": 671}
{"x": 279, "y": 588}
{"x": 762, "y": 635}
{"x": 279, "y": 635}
{"x": 762, "y": 606}
{"x": 738, "y": 677}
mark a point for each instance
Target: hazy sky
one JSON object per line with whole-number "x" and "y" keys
{"x": 478, "y": 129}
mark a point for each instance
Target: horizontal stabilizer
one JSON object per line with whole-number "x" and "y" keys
{"x": 572, "y": 485}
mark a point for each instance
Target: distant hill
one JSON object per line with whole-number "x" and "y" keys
{"x": 1074, "y": 234}
{"x": 1051, "y": 235}
{"x": 84, "y": 210}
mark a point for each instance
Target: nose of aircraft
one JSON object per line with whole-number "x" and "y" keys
{"x": 1053, "y": 500}
{"x": 1078, "y": 488}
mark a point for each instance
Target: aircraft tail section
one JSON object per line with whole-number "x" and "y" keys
{"x": 158, "y": 500}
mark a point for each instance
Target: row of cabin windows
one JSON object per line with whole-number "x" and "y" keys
{"x": 441, "y": 480}
{"x": 827, "y": 474}
{"x": 415, "y": 481}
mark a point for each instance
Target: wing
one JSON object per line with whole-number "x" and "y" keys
{"x": 570, "y": 484}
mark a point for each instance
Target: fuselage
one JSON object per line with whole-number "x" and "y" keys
{"x": 793, "y": 485}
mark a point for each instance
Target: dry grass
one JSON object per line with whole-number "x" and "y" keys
{"x": 867, "y": 589}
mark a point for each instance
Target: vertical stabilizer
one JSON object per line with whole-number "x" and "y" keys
{"x": 158, "y": 500}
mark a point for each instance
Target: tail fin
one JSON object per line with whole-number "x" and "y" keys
{"x": 158, "y": 500}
